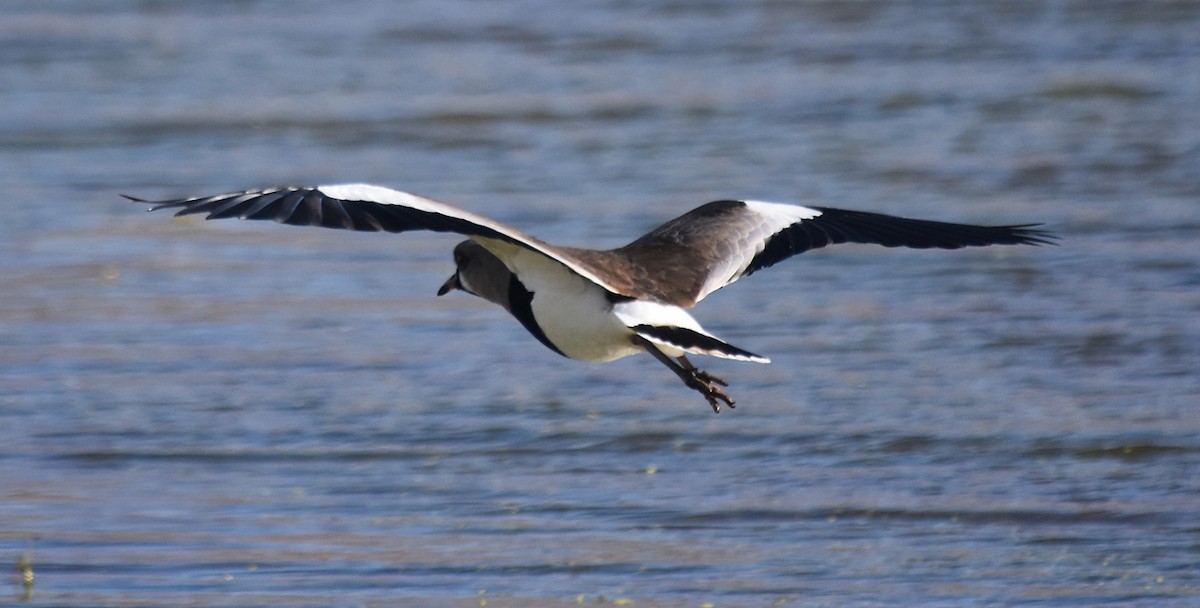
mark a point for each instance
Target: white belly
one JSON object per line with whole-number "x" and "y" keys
{"x": 577, "y": 317}
{"x": 573, "y": 312}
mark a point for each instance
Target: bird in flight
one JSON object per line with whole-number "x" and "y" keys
{"x": 601, "y": 305}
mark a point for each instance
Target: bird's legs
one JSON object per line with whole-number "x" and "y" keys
{"x": 696, "y": 379}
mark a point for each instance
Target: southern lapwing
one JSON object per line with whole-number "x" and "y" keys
{"x": 601, "y": 305}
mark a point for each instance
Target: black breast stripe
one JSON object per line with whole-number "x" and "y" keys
{"x": 520, "y": 303}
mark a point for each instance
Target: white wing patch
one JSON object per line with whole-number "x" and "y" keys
{"x": 767, "y": 220}
{"x": 388, "y": 196}
{"x": 781, "y": 215}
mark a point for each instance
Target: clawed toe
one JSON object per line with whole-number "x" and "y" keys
{"x": 710, "y": 379}
{"x": 713, "y": 397}
{"x": 707, "y": 384}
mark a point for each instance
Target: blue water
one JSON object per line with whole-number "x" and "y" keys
{"x": 246, "y": 414}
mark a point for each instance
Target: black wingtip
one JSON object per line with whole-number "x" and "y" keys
{"x": 1030, "y": 234}
{"x": 153, "y": 204}
{"x": 156, "y": 205}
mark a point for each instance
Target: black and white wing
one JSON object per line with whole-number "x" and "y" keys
{"x": 727, "y": 240}
{"x": 362, "y": 207}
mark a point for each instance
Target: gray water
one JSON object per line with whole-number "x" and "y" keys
{"x": 247, "y": 414}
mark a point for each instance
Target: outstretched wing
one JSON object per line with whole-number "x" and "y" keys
{"x": 723, "y": 241}
{"x": 363, "y": 207}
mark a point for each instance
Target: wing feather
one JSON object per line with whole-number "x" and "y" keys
{"x": 365, "y": 207}
{"x": 834, "y": 226}
{"x": 720, "y": 242}
{"x": 678, "y": 263}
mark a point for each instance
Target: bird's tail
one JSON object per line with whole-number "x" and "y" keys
{"x": 692, "y": 341}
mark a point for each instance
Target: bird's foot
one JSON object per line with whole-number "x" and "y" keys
{"x": 709, "y": 378}
{"x": 710, "y": 386}
{"x": 696, "y": 379}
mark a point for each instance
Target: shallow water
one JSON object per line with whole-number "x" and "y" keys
{"x": 248, "y": 414}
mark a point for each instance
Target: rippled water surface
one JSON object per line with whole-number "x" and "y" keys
{"x": 246, "y": 414}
